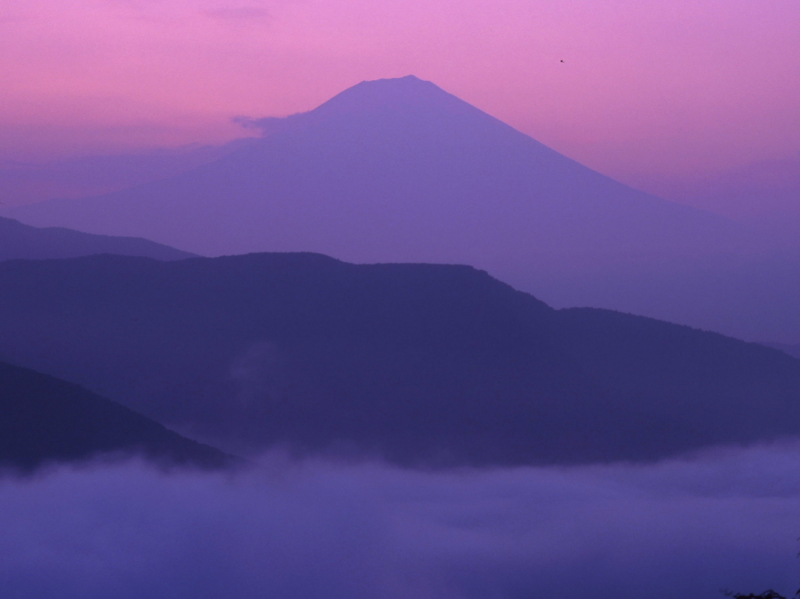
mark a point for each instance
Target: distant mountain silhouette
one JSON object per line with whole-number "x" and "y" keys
{"x": 45, "y": 420}
{"x": 392, "y": 170}
{"x": 23, "y": 241}
{"x": 421, "y": 364}
{"x": 397, "y": 170}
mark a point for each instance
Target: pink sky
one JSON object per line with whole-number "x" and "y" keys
{"x": 664, "y": 87}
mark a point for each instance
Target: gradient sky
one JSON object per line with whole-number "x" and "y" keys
{"x": 673, "y": 86}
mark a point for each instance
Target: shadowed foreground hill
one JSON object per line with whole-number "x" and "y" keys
{"x": 792, "y": 350}
{"x": 22, "y": 241}
{"x": 45, "y": 420}
{"x": 422, "y": 364}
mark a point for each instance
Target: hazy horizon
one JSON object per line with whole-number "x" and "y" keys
{"x": 358, "y": 299}
{"x": 644, "y": 89}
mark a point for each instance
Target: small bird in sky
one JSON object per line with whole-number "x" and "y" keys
{"x": 562, "y": 61}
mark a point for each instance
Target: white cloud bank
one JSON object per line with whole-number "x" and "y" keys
{"x": 678, "y": 529}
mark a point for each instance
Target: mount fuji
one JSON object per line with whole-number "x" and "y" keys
{"x": 398, "y": 170}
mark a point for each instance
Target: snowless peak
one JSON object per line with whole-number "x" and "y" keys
{"x": 401, "y": 92}
{"x": 396, "y": 84}
{"x": 406, "y": 80}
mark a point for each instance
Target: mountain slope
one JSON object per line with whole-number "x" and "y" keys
{"x": 392, "y": 170}
{"x": 23, "y": 241}
{"x": 46, "y": 420}
{"x": 792, "y": 350}
{"x": 422, "y": 364}
{"x": 397, "y": 170}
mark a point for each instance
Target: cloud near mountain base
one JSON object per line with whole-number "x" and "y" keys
{"x": 314, "y": 529}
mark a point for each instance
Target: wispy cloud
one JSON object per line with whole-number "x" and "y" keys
{"x": 266, "y": 125}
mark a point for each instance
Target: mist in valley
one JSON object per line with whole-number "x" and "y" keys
{"x": 371, "y": 300}
{"x": 285, "y": 528}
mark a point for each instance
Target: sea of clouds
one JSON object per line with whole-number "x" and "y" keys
{"x": 319, "y": 529}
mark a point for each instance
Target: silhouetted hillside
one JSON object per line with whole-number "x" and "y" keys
{"x": 695, "y": 382}
{"x": 418, "y": 363}
{"x": 45, "y": 420}
{"x": 22, "y": 241}
{"x": 792, "y": 350}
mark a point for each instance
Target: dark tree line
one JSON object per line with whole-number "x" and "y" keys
{"x": 768, "y": 594}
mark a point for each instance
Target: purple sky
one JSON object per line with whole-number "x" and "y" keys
{"x": 682, "y": 528}
{"x": 663, "y": 94}
{"x": 645, "y": 89}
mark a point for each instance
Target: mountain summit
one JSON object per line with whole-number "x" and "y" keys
{"x": 394, "y": 170}
{"x": 398, "y": 170}
{"x": 381, "y": 94}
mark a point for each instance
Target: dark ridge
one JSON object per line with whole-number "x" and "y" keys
{"x": 703, "y": 383}
{"x": 22, "y": 241}
{"x": 792, "y": 350}
{"x": 44, "y": 420}
{"x": 421, "y": 364}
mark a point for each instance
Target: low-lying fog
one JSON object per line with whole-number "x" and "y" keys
{"x": 313, "y": 529}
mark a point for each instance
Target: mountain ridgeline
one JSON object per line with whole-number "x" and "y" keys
{"x": 419, "y": 364}
{"x": 23, "y": 241}
{"x": 44, "y": 420}
{"x": 398, "y": 170}
{"x": 792, "y": 350}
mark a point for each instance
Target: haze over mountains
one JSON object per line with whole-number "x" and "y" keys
{"x": 25, "y": 183}
{"x": 419, "y": 364}
{"x": 762, "y": 192}
{"x": 392, "y": 347}
{"x": 398, "y": 170}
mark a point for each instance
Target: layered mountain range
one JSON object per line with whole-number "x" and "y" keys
{"x": 419, "y": 364}
{"x": 400, "y": 171}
